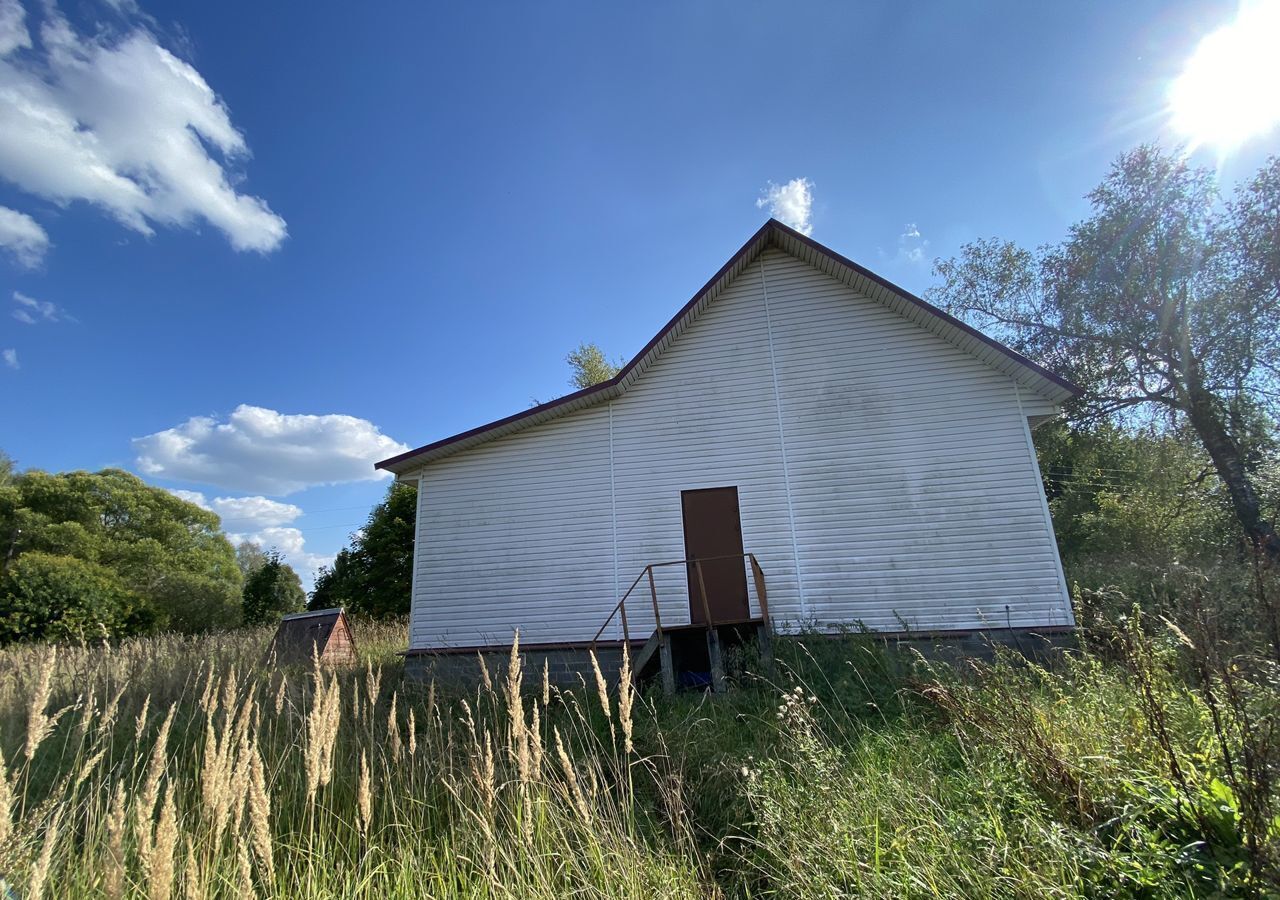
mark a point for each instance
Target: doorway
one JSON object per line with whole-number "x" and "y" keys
{"x": 713, "y": 535}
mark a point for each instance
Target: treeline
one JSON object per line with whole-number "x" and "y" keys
{"x": 92, "y": 555}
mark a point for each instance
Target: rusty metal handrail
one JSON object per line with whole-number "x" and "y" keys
{"x": 620, "y": 609}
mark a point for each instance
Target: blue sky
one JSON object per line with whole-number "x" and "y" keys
{"x": 247, "y": 249}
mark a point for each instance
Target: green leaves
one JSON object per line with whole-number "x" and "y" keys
{"x": 272, "y": 590}
{"x": 374, "y": 575}
{"x": 104, "y": 554}
{"x": 47, "y": 597}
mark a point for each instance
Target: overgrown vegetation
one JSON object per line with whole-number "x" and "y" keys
{"x": 91, "y": 555}
{"x": 1142, "y": 765}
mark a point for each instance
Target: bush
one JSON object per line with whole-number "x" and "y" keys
{"x": 47, "y": 597}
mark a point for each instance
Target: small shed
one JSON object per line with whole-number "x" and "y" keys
{"x": 322, "y": 632}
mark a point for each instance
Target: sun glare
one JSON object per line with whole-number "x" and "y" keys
{"x": 1229, "y": 90}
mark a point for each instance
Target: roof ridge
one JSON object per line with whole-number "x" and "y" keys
{"x": 769, "y": 234}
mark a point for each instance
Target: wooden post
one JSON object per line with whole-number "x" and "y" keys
{"x": 762, "y": 593}
{"x": 717, "y": 661}
{"x": 653, "y": 592}
{"x": 666, "y": 664}
{"x": 702, "y": 588}
{"x": 764, "y": 643}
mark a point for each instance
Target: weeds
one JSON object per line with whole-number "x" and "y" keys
{"x": 167, "y": 767}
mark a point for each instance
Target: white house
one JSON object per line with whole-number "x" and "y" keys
{"x": 870, "y": 452}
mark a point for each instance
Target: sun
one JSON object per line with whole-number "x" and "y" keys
{"x": 1229, "y": 90}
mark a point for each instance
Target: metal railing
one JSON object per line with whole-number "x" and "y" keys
{"x": 620, "y": 610}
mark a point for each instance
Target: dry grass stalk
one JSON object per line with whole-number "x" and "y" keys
{"x": 413, "y": 735}
{"x": 145, "y": 803}
{"x": 160, "y": 873}
{"x": 484, "y": 674}
{"x": 322, "y": 734}
{"x": 107, "y": 720}
{"x": 571, "y": 777}
{"x": 192, "y": 889}
{"x": 242, "y": 765}
{"x": 113, "y": 874}
{"x": 85, "y": 771}
{"x": 519, "y": 740}
{"x": 364, "y": 797}
{"x": 260, "y": 815}
{"x": 140, "y": 724}
{"x": 393, "y": 728}
{"x": 280, "y": 692}
{"x": 6, "y": 803}
{"x": 244, "y": 873}
{"x": 602, "y": 687}
{"x": 207, "y": 695}
{"x": 38, "y": 724}
{"x": 626, "y": 696}
{"x": 546, "y": 684}
{"x": 88, "y": 715}
{"x": 373, "y": 686}
{"x": 535, "y": 745}
{"x": 230, "y": 692}
{"x": 40, "y": 868}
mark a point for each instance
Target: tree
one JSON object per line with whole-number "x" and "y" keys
{"x": 48, "y": 597}
{"x": 375, "y": 574}
{"x": 250, "y": 558}
{"x": 272, "y": 590}
{"x": 590, "y": 366}
{"x": 1164, "y": 304}
{"x": 168, "y": 555}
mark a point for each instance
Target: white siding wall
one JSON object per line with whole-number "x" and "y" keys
{"x": 904, "y": 463}
{"x": 916, "y": 496}
{"x": 704, "y": 416}
{"x": 516, "y": 533}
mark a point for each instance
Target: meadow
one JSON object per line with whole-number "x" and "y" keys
{"x": 1140, "y": 764}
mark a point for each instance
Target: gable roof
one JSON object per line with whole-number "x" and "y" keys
{"x": 299, "y": 635}
{"x": 772, "y": 234}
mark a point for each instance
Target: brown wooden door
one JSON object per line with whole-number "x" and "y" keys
{"x": 713, "y": 535}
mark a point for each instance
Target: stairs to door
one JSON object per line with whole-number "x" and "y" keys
{"x": 692, "y": 655}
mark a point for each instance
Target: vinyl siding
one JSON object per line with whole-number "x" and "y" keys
{"x": 903, "y": 462}
{"x": 916, "y": 497}
{"x": 516, "y": 534}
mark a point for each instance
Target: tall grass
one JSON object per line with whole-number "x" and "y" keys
{"x": 186, "y": 767}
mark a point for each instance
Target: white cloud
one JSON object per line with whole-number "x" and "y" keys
{"x": 10, "y": 357}
{"x": 254, "y": 512}
{"x": 244, "y": 513}
{"x": 13, "y": 27}
{"x": 258, "y": 449}
{"x": 31, "y": 311}
{"x": 292, "y": 546}
{"x": 261, "y": 521}
{"x": 20, "y": 234}
{"x": 122, "y": 123}
{"x": 912, "y": 246}
{"x": 790, "y": 203}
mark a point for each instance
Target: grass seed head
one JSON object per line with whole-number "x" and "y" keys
{"x": 364, "y": 796}
{"x": 40, "y": 868}
{"x": 39, "y": 725}
{"x": 160, "y": 874}
{"x": 6, "y": 803}
{"x": 113, "y": 876}
{"x": 625, "y": 697}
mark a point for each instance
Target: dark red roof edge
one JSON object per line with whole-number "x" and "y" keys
{"x": 771, "y": 225}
